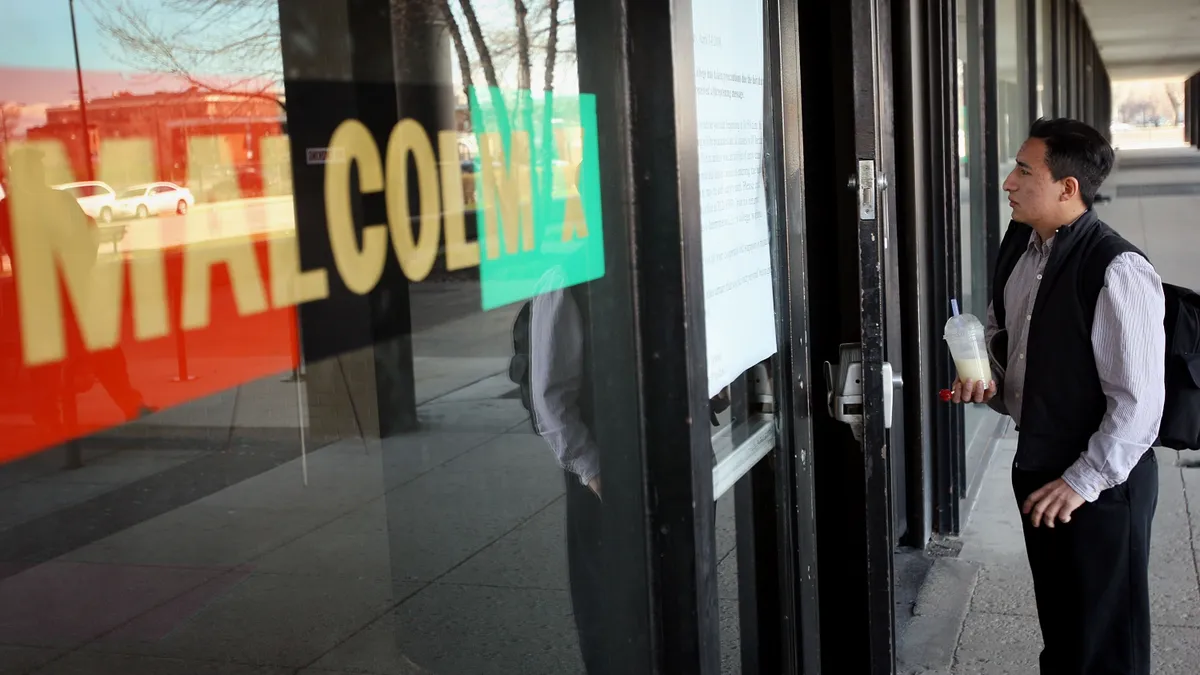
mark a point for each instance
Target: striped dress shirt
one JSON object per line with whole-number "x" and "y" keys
{"x": 556, "y": 335}
{"x": 1130, "y": 350}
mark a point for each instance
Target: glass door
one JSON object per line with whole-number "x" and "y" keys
{"x": 749, "y": 259}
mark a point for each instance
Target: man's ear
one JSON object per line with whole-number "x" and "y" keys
{"x": 1070, "y": 189}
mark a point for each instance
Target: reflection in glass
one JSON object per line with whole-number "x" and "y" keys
{"x": 972, "y": 203}
{"x": 1044, "y": 67}
{"x": 276, "y": 472}
{"x": 970, "y": 138}
{"x": 1012, "y": 92}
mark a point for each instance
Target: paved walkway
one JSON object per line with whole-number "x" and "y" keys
{"x": 976, "y": 613}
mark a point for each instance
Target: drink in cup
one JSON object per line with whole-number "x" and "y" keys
{"x": 964, "y": 334}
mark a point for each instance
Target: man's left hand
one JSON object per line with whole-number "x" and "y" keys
{"x": 1054, "y": 501}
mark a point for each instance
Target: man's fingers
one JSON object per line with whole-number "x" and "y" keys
{"x": 1051, "y": 513}
{"x": 1065, "y": 514}
{"x": 1032, "y": 500}
{"x": 1039, "y": 511}
{"x": 972, "y": 392}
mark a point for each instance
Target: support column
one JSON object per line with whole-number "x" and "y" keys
{"x": 353, "y": 59}
{"x": 1187, "y": 110}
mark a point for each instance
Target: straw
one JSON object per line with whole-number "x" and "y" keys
{"x": 957, "y": 315}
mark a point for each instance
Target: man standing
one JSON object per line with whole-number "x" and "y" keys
{"x": 1076, "y": 336}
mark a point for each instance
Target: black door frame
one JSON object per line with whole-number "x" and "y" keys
{"x": 650, "y": 174}
{"x": 870, "y": 82}
{"x": 896, "y": 310}
{"x": 796, "y": 486}
{"x": 853, "y": 490}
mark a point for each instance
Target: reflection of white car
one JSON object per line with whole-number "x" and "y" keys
{"x": 95, "y": 198}
{"x": 151, "y": 199}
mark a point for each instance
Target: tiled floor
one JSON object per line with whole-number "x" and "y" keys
{"x": 434, "y": 552}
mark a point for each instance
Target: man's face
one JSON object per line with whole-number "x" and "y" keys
{"x": 1035, "y": 197}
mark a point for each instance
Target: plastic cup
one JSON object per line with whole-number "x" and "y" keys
{"x": 964, "y": 334}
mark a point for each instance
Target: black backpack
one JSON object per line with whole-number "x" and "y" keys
{"x": 1180, "y": 427}
{"x": 519, "y": 363}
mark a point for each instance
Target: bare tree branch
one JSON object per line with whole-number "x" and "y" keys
{"x": 460, "y": 49}
{"x": 552, "y": 45}
{"x": 188, "y": 52}
{"x": 524, "y": 75}
{"x": 481, "y": 47}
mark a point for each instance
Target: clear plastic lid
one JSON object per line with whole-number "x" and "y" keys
{"x": 962, "y": 325}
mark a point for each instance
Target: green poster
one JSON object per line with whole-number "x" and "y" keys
{"x": 537, "y": 192}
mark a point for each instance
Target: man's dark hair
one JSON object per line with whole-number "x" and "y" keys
{"x": 1074, "y": 149}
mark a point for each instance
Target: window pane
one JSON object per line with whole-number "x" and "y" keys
{"x": 304, "y": 440}
{"x": 741, "y": 214}
{"x": 972, "y": 202}
{"x": 1012, "y": 86}
{"x": 1042, "y": 10}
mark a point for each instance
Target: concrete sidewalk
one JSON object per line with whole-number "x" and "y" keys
{"x": 976, "y": 613}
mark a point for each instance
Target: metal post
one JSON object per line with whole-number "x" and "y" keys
{"x": 87, "y": 137}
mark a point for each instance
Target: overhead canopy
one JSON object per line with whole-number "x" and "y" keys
{"x": 1146, "y": 39}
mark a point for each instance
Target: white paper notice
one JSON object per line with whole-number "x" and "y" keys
{"x": 738, "y": 297}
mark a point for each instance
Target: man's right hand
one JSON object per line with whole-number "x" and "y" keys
{"x": 972, "y": 392}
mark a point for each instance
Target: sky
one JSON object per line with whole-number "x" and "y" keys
{"x": 37, "y": 57}
{"x": 37, "y": 34}
{"x": 37, "y": 60}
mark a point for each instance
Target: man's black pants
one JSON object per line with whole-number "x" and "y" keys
{"x": 1090, "y": 576}
{"x": 585, "y": 549}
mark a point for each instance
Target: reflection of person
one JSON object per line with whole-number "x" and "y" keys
{"x": 54, "y": 383}
{"x": 1076, "y": 330}
{"x": 562, "y": 417}
{"x": 561, "y": 413}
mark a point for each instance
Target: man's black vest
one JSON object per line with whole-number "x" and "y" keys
{"x": 1062, "y": 403}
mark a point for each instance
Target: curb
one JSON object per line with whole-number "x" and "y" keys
{"x": 929, "y": 642}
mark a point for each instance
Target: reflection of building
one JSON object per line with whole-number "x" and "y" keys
{"x": 234, "y": 166}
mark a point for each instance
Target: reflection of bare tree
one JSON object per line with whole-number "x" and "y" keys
{"x": 551, "y": 45}
{"x": 524, "y": 75}
{"x": 481, "y": 46}
{"x": 460, "y": 49}
{"x": 539, "y": 32}
{"x": 210, "y": 44}
{"x": 232, "y": 46}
